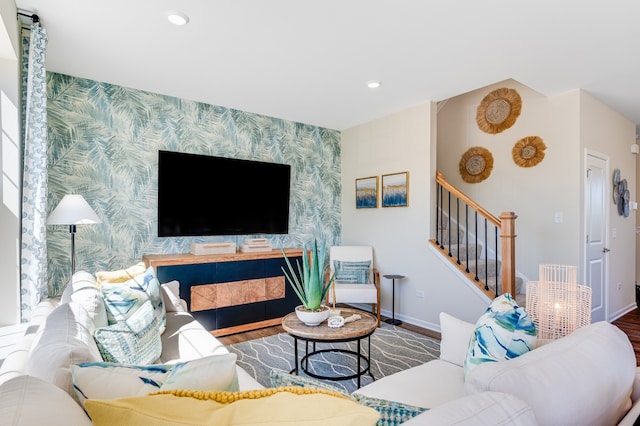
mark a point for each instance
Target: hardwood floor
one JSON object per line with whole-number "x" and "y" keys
{"x": 630, "y": 324}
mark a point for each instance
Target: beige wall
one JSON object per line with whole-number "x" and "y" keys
{"x": 605, "y": 131}
{"x": 568, "y": 124}
{"x": 534, "y": 193}
{"x": 11, "y": 175}
{"x": 402, "y": 142}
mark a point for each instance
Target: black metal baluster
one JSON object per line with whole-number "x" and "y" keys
{"x": 466, "y": 236}
{"x": 476, "y": 271}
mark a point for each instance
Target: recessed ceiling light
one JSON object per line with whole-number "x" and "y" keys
{"x": 374, "y": 84}
{"x": 176, "y": 17}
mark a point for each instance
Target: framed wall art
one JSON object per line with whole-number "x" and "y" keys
{"x": 395, "y": 190}
{"x": 367, "y": 192}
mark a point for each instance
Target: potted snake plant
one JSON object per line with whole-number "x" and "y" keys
{"x": 308, "y": 282}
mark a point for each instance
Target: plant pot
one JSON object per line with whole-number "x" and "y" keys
{"x": 312, "y": 318}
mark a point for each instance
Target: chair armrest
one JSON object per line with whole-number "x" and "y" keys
{"x": 376, "y": 277}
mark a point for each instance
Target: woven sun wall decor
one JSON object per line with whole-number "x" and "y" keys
{"x": 476, "y": 164}
{"x": 528, "y": 151}
{"x": 499, "y": 110}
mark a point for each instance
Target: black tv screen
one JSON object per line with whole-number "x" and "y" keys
{"x": 200, "y": 195}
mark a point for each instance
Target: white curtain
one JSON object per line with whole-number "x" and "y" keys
{"x": 33, "y": 274}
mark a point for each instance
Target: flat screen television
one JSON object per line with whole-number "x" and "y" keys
{"x": 202, "y": 195}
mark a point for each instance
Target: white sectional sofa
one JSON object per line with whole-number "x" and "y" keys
{"x": 35, "y": 378}
{"x": 587, "y": 378}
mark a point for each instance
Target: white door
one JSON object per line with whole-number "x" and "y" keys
{"x": 596, "y": 251}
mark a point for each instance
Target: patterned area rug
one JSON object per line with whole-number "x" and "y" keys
{"x": 393, "y": 349}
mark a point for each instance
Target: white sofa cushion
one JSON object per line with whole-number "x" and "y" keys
{"x": 456, "y": 335}
{"x": 83, "y": 288}
{"x": 481, "y": 409}
{"x": 66, "y": 337}
{"x": 28, "y": 401}
{"x": 584, "y": 378}
{"x": 185, "y": 339}
{"x": 415, "y": 386}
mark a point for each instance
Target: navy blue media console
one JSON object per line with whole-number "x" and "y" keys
{"x": 231, "y": 293}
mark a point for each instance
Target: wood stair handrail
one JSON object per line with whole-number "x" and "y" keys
{"x": 507, "y": 225}
{"x": 440, "y": 178}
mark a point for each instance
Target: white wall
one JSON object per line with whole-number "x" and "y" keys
{"x": 568, "y": 125}
{"x": 402, "y": 142}
{"x": 536, "y": 193}
{"x": 11, "y": 174}
{"x": 604, "y": 130}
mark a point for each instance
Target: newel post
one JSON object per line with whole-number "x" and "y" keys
{"x": 508, "y": 235}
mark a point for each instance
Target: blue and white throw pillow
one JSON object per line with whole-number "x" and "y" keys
{"x": 105, "y": 380}
{"x": 503, "y": 332}
{"x": 133, "y": 341}
{"x": 352, "y": 272}
{"x": 122, "y": 299}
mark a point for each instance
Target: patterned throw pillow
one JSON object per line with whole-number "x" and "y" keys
{"x": 105, "y": 380}
{"x": 122, "y": 299}
{"x": 352, "y": 272}
{"x": 133, "y": 341}
{"x": 391, "y": 413}
{"x": 503, "y": 332}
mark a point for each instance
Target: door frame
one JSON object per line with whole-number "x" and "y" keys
{"x": 607, "y": 223}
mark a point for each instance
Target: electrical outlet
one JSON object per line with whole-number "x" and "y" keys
{"x": 619, "y": 286}
{"x": 420, "y": 293}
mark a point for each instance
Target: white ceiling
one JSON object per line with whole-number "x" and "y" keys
{"x": 308, "y": 61}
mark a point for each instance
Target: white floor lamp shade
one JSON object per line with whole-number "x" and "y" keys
{"x": 73, "y": 210}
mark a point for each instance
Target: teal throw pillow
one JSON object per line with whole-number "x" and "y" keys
{"x": 503, "y": 332}
{"x": 391, "y": 413}
{"x": 352, "y": 272}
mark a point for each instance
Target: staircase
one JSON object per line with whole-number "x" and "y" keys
{"x": 477, "y": 243}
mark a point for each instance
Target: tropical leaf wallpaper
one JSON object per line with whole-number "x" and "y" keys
{"x": 103, "y": 144}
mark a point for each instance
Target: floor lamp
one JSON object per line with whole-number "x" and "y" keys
{"x": 73, "y": 210}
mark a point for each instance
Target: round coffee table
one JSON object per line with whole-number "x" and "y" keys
{"x": 351, "y": 331}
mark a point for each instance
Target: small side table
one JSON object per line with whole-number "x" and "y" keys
{"x": 393, "y": 320}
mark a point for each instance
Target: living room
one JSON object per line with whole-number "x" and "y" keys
{"x": 421, "y": 140}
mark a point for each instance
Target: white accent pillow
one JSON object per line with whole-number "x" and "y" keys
{"x": 28, "y": 400}
{"x": 83, "y": 288}
{"x": 456, "y": 335}
{"x": 103, "y": 380}
{"x": 171, "y": 296}
{"x": 214, "y": 372}
{"x": 65, "y": 338}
